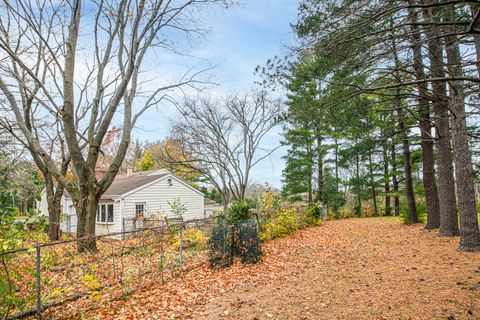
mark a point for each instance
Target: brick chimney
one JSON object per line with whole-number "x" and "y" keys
{"x": 129, "y": 171}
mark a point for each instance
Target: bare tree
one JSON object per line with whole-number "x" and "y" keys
{"x": 225, "y": 137}
{"x": 55, "y": 147}
{"x": 82, "y": 66}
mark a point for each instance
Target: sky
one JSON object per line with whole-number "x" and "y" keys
{"x": 238, "y": 39}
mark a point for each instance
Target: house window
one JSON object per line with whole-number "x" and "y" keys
{"x": 105, "y": 213}
{"x": 139, "y": 210}
{"x": 169, "y": 181}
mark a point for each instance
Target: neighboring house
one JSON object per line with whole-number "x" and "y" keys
{"x": 138, "y": 195}
{"x": 211, "y": 207}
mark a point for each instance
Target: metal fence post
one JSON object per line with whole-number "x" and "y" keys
{"x": 181, "y": 246}
{"x": 39, "y": 296}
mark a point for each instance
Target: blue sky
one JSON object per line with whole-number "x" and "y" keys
{"x": 238, "y": 39}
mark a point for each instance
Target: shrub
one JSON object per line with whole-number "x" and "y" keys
{"x": 238, "y": 211}
{"x": 295, "y": 198}
{"x": 270, "y": 201}
{"x": 347, "y": 211}
{"x": 332, "y": 214}
{"x": 421, "y": 212}
{"x": 178, "y": 207}
{"x": 281, "y": 226}
{"x": 313, "y": 214}
{"x": 191, "y": 238}
{"x": 194, "y": 238}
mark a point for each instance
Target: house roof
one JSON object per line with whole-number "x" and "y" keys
{"x": 125, "y": 183}
{"x": 128, "y": 182}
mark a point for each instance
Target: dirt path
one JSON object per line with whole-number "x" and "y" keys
{"x": 358, "y": 269}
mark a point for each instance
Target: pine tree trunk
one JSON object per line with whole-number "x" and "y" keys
{"x": 310, "y": 173}
{"x": 336, "y": 167}
{"x": 446, "y": 186}
{"x": 320, "y": 186}
{"x": 386, "y": 177}
{"x": 396, "y": 198}
{"x": 428, "y": 158}
{"x": 476, "y": 37}
{"x": 467, "y": 207}
{"x": 358, "y": 207}
{"x": 372, "y": 185}
{"x": 407, "y": 165}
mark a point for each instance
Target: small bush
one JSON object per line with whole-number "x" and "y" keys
{"x": 281, "y": 226}
{"x": 195, "y": 238}
{"x": 332, "y": 214}
{"x": 313, "y": 214}
{"x": 191, "y": 238}
{"x": 238, "y": 211}
{"x": 421, "y": 212}
{"x": 347, "y": 211}
{"x": 295, "y": 198}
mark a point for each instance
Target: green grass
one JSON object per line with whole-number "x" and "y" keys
{"x": 390, "y": 219}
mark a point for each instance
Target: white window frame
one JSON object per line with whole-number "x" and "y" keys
{"x": 144, "y": 204}
{"x": 105, "y": 206}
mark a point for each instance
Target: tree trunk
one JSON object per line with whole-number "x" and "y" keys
{"x": 476, "y": 37}
{"x": 396, "y": 198}
{"x": 372, "y": 185}
{"x": 428, "y": 158}
{"x": 467, "y": 207}
{"x": 54, "y": 196}
{"x": 310, "y": 173}
{"x": 407, "y": 163}
{"x": 320, "y": 182}
{"x": 86, "y": 209}
{"x": 386, "y": 177}
{"x": 358, "y": 207}
{"x": 54, "y": 210}
{"x": 446, "y": 186}
{"x": 336, "y": 166}
{"x": 225, "y": 201}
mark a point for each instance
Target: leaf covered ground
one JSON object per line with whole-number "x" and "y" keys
{"x": 346, "y": 269}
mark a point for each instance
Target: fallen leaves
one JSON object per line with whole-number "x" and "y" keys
{"x": 347, "y": 269}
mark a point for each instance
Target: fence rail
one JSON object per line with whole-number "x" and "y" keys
{"x": 33, "y": 280}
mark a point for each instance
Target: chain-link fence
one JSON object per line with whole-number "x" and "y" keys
{"x": 34, "y": 280}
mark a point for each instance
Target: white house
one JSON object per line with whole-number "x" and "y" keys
{"x": 133, "y": 195}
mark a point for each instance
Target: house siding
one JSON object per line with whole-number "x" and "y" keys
{"x": 157, "y": 196}
{"x": 116, "y": 226}
{"x": 69, "y": 220}
{"x": 42, "y": 205}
